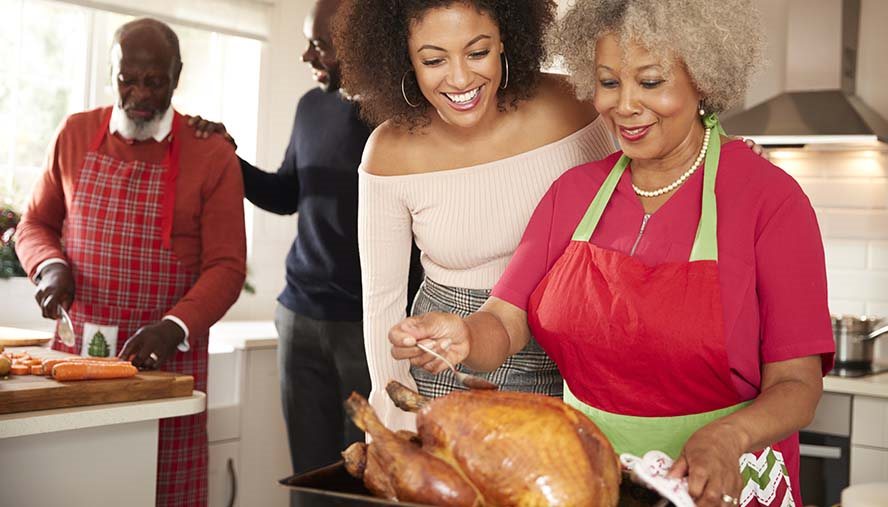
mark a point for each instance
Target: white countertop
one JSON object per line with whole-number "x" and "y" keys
{"x": 873, "y": 385}
{"x": 47, "y": 421}
{"x": 227, "y": 336}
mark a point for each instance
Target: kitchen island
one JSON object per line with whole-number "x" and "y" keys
{"x": 99, "y": 455}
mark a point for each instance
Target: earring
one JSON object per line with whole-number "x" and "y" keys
{"x": 702, "y": 110}
{"x": 506, "y": 80}
{"x": 404, "y": 91}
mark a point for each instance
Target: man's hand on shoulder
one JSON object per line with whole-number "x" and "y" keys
{"x": 153, "y": 344}
{"x": 55, "y": 288}
{"x": 204, "y": 128}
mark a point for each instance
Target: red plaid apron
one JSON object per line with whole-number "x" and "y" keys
{"x": 117, "y": 239}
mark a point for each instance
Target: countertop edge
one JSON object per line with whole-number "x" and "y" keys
{"x": 73, "y": 418}
{"x": 876, "y": 385}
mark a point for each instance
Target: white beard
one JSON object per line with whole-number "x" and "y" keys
{"x": 137, "y": 130}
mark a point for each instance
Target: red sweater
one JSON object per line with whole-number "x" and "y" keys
{"x": 208, "y": 225}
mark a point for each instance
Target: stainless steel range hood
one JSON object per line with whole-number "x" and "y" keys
{"x": 816, "y": 117}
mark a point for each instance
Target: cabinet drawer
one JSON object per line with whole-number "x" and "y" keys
{"x": 832, "y": 415}
{"x": 868, "y": 465}
{"x": 222, "y": 480}
{"x": 869, "y": 422}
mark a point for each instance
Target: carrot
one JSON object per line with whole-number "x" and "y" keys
{"x": 36, "y": 369}
{"x": 20, "y": 369}
{"x": 49, "y": 363}
{"x": 89, "y": 371}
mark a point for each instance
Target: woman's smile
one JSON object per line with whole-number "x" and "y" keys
{"x": 464, "y": 101}
{"x": 633, "y": 134}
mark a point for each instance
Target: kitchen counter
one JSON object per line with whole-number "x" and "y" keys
{"x": 94, "y": 455}
{"x": 872, "y": 385}
{"x": 226, "y": 336}
{"x": 64, "y": 419}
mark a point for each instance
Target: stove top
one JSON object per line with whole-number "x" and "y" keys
{"x": 851, "y": 372}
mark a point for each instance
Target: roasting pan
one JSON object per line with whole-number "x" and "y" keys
{"x": 332, "y": 486}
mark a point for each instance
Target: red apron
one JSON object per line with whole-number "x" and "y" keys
{"x": 117, "y": 237}
{"x": 642, "y": 348}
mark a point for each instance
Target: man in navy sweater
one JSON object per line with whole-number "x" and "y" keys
{"x": 318, "y": 318}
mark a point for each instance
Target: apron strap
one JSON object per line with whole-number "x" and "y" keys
{"x": 706, "y": 240}
{"x": 593, "y": 214}
{"x": 171, "y": 162}
{"x": 103, "y": 131}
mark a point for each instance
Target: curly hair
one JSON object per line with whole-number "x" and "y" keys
{"x": 370, "y": 37}
{"x": 719, "y": 42}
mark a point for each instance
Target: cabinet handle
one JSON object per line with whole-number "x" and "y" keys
{"x": 820, "y": 451}
{"x": 233, "y": 476}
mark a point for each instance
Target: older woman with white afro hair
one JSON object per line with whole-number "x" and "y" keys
{"x": 678, "y": 284}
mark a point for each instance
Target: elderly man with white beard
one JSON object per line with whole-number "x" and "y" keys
{"x": 138, "y": 231}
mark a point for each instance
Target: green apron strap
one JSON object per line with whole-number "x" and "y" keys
{"x": 593, "y": 214}
{"x": 706, "y": 241}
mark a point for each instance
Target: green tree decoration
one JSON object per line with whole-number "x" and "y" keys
{"x": 98, "y": 347}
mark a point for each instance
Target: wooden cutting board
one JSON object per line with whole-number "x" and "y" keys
{"x": 30, "y": 392}
{"x": 15, "y": 337}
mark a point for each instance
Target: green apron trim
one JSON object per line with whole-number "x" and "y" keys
{"x": 638, "y": 435}
{"x": 706, "y": 241}
{"x": 763, "y": 479}
{"x": 587, "y": 226}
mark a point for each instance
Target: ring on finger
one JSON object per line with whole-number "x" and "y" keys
{"x": 730, "y": 500}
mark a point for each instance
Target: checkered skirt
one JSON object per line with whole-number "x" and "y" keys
{"x": 530, "y": 370}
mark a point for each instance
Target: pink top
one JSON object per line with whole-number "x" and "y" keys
{"x": 771, "y": 265}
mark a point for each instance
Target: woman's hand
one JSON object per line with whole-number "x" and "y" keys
{"x": 711, "y": 461}
{"x": 445, "y": 333}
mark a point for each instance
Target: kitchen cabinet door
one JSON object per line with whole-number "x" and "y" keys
{"x": 868, "y": 465}
{"x": 223, "y": 474}
{"x": 869, "y": 426}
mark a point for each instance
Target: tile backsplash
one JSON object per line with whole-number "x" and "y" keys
{"x": 849, "y": 190}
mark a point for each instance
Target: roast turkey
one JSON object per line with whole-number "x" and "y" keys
{"x": 485, "y": 448}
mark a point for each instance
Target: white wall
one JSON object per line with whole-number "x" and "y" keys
{"x": 849, "y": 191}
{"x": 872, "y": 60}
{"x": 813, "y": 59}
{"x": 284, "y": 79}
{"x": 771, "y": 80}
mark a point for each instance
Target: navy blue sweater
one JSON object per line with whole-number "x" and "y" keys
{"x": 319, "y": 179}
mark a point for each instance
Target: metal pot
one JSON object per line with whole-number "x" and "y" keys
{"x": 855, "y": 337}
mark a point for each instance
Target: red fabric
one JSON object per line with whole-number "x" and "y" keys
{"x": 653, "y": 336}
{"x": 771, "y": 263}
{"x": 125, "y": 276}
{"x": 208, "y": 235}
{"x": 636, "y": 340}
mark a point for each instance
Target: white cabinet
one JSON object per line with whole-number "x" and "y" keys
{"x": 249, "y": 451}
{"x": 869, "y": 440}
{"x": 868, "y": 464}
{"x": 223, "y": 481}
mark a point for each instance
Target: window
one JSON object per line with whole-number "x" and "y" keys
{"x": 56, "y": 59}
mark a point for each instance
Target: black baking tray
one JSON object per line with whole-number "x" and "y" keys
{"x": 332, "y": 485}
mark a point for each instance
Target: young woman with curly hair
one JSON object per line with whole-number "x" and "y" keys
{"x": 679, "y": 285}
{"x": 471, "y": 135}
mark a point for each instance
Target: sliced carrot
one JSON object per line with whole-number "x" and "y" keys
{"x": 20, "y": 369}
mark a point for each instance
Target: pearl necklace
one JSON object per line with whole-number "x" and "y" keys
{"x": 681, "y": 179}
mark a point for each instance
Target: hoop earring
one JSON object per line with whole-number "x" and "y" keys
{"x": 506, "y": 80}
{"x": 404, "y": 91}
